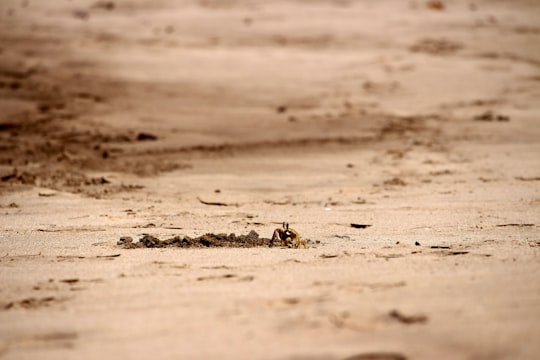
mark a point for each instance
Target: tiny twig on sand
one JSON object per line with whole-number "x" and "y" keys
{"x": 408, "y": 319}
{"x": 360, "y": 226}
{"x": 214, "y": 203}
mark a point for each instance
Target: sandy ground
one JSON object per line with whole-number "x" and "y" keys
{"x": 420, "y": 119}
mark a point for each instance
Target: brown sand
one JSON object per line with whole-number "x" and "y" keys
{"x": 182, "y": 118}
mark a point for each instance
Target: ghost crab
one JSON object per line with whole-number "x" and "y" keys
{"x": 287, "y": 237}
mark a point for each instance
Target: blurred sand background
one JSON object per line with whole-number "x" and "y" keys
{"x": 123, "y": 118}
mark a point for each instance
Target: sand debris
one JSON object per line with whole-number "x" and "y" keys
{"x": 252, "y": 239}
{"x": 407, "y": 319}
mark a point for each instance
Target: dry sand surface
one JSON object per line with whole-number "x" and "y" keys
{"x": 180, "y": 118}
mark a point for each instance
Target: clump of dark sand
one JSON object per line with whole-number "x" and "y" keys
{"x": 208, "y": 240}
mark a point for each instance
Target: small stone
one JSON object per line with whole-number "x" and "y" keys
{"x": 125, "y": 240}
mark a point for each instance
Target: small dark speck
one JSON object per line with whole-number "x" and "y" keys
{"x": 146, "y": 137}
